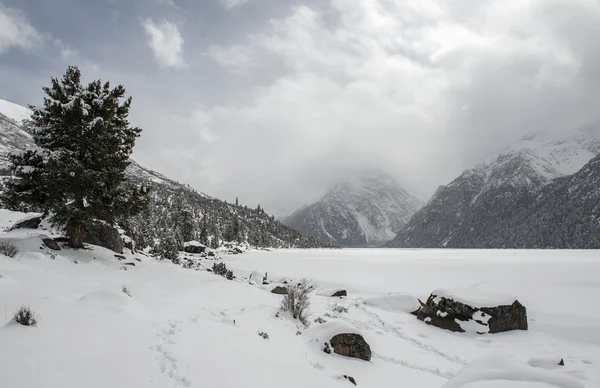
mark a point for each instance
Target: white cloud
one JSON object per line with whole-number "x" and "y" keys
{"x": 166, "y": 43}
{"x": 16, "y": 31}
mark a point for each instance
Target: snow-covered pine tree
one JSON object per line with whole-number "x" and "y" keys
{"x": 78, "y": 171}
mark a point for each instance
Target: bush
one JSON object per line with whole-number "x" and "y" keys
{"x": 126, "y": 291}
{"x": 297, "y": 300}
{"x": 8, "y": 249}
{"x": 25, "y": 316}
{"x": 263, "y": 334}
{"x": 221, "y": 269}
{"x": 339, "y": 309}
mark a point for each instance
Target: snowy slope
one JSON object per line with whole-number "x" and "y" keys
{"x": 365, "y": 211}
{"x": 186, "y": 328}
{"x": 465, "y": 213}
{"x": 14, "y": 111}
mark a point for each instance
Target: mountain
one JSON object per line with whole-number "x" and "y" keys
{"x": 477, "y": 207}
{"x": 176, "y": 209}
{"x": 361, "y": 212}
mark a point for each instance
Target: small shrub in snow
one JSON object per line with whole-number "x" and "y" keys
{"x": 221, "y": 269}
{"x": 24, "y": 316}
{"x": 339, "y": 309}
{"x": 320, "y": 320}
{"x": 126, "y": 291}
{"x": 297, "y": 300}
{"x": 8, "y": 249}
{"x": 263, "y": 334}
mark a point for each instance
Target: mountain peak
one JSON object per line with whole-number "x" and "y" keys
{"x": 365, "y": 210}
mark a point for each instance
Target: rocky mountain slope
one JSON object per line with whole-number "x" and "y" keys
{"x": 362, "y": 212}
{"x": 176, "y": 210}
{"x": 477, "y": 208}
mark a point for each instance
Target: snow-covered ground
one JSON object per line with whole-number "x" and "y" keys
{"x": 183, "y": 328}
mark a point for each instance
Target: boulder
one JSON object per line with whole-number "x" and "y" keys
{"x": 120, "y": 257}
{"x": 211, "y": 253}
{"x": 351, "y": 345}
{"x": 194, "y": 247}
{"x": 256, "y": 278}
{"x": 103, "y": 234}
{"x": 280, "y": 290}
{"x": 51, "y": 244}
{"x": 28, "y": 223}
{"x": 340, "y": 293}
{"x": 128, "y": 243}
{"x": 457, "y": 314}
{"x": 350, "y": 379}
{"x": 237, "y": 250}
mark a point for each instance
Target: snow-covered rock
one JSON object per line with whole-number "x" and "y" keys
{"x": 256, "y": 278}
{"x": 473, "y": 310}
{"x": 507, "y": 372}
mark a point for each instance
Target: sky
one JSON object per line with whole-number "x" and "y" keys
{"x": 273, "y": 101}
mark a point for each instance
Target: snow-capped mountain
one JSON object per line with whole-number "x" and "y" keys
{"x": 172, "y": 204}
{"x": 365, "y": 211}
{"x": 470, "y": 210}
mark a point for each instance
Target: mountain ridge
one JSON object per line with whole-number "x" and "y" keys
{"x": 362, "y": 211}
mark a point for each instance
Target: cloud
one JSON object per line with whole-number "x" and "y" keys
{"x": 16, "y": 31}
{"x": 389, "y": 82}
{"x": 166, "y": 43}
{"x": 229, "y": 4}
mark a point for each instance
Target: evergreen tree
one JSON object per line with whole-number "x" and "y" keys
{"x": 78, "y": 171}
{"x": 169, "y": 249}
{"x": 237, "y": 202}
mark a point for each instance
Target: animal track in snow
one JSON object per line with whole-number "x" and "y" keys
{"x": 167, "y": 363}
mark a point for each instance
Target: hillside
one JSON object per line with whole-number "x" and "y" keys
{"x": 477, "y": 207}
{"x": 176, "y": 209}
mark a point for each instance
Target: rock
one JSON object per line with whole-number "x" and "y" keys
{"x": 130, "y": 264}
{"x": 194, "y": 247}
{"x": 280, "y": 290}
{"x": 351, "y": 345}
{"x": 120, "y": 257}
{"x": 128, "y": 243}
{"x": 449, "y": 314}
{"x": 350, "y": 379}
{"x": 340, "y": 293}
{"x": 138, "y": 260}
{"x": 103, "y": 234}
{"x": 256, "y": 278}
{"x": 561, "y": 362}
{"x": 28, "y": 223}
{"x": 237, "y": 250}
{"x": 211, "y": 253}
{"x": 61, "y": 239}
{"x": 51, "y": 244}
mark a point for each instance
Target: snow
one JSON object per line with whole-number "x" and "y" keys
{"x": 474, "y": 297}
{"x": 395, "y": 302}
{"x": 14, "y": 111}
{"x": 186, "y": 328}
{"x": 507, "y": 372}
{"x": 193, "y": 243}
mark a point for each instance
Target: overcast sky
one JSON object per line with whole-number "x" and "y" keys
{"x": 274, "y": 100}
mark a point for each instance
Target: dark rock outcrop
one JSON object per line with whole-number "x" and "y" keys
{"x": 51, "y": 244}
{"x": 445, "y": 312}
{"x": 102, "y": 234}
{"x": 351, "y": 345}
{"x": 280, "y": 290}
{"x": 29, "y": 223}
{"x": 340, "y": 293}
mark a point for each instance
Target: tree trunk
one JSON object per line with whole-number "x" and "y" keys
{"x": 75, "y": 232}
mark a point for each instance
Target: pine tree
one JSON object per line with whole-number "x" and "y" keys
{"x": 237, "y": 202}
{"x": 78, "y": 171}
{"x": 169, "y": 249}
